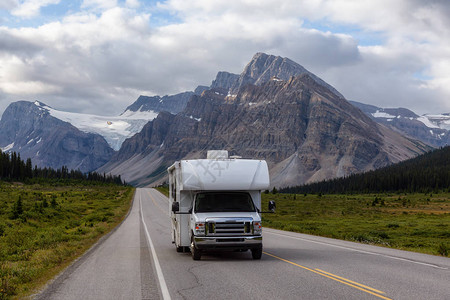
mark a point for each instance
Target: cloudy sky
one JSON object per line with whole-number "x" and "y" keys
{"x": 98, "y": 56}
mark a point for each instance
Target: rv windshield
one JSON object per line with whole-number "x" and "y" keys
{"x": 224, "y": 202}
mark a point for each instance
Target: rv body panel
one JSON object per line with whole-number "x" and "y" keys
{"x": 219, "y": 203}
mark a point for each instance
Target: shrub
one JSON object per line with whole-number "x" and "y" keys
{"x": 393, "y": 225}
{"x": 17, "y": 209}
{"x": 53, "y": 203}
{"x": 443, "y": 249}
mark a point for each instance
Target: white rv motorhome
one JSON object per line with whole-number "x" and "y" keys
{"x": 215, "y": 203}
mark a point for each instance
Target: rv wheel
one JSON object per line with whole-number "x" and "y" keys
{"x": 257, "y": 253}
{"x": 196, "y": 254}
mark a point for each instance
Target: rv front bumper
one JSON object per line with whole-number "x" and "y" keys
{"x": 228, "y": 242}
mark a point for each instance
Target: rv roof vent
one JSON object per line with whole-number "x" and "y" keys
{"x": 217, "y": 154}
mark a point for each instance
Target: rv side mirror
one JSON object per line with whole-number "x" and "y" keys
{"x": 176, "y": 207}
{"x": 272, "y": 206}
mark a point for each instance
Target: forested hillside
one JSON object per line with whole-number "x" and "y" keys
{"x": 425, "y": 173}
{"x": 12, "y": 167}
{"x": 49, "y": 217}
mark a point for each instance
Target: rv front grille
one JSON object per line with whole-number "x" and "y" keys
{"x": 229, "y": 240}
{"x": 229, "y": 228}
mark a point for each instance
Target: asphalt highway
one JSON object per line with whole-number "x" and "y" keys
{"x": 138, "y": 261}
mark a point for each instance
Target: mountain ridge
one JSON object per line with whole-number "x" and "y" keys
{"x": 282, "y": 121}
{"x": 431, "y": 129}
{"x": 29, "y": 129}
{"x": 274, "y": 110}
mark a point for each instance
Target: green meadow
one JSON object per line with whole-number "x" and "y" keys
{"x": 414, "y": 222}
{"x": 44, "y": 227}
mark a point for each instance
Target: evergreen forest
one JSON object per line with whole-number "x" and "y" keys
{"x": 423, "y": 174}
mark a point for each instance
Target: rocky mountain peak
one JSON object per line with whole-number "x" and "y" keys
{"x": 304, "y": 130}
{"x": 224, "y": 80}
{"x": 263, "y": 67}
{"x": 171, "y": 103}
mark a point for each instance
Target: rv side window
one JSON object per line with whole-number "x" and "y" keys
{"x": 174, "y": 190}
{"x": 224, "y": 202}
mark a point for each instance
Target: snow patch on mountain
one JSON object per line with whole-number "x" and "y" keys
{"x": 380, "y": 114}
{"x": 433, "y": 129}
{"x": 196, "y": 119}
{"x": 442, "y": 121}
{"x": 427, "y": 122}
{"x": 8, "y": 147}
{"x": 115, "y": 129}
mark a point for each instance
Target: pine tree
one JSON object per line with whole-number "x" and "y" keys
{"x": 28, "y": 169}
{"x": 17, "y": 209}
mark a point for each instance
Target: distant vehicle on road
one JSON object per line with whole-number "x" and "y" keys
{"x": 215, "y": 203}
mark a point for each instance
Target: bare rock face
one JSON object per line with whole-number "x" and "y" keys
{"x": 224, "y": 80}
{"x": 259, "y": 70}
{"x": 150, "y": 138}
{"x": 274, "y": 110}
{"x": 302, "y": 128}
{"x": 31, "y": 131}
{"x": 264, "y": 67}
{"x": 173, "y": 103}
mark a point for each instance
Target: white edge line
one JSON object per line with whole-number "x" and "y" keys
{"x": 361, "y": 251}
{"x": 159, "y": 273}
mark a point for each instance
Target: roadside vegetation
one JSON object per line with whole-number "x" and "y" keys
{"x": 43, "y": 228}
{"x": 417, "y": 222}
{"x": 404, "y": 206}
{"x": 164, "y": 189}
{"x": 48, "y": 218}
{"x": 410, "y": 221}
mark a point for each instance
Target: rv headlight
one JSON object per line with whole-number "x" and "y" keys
{"x": 257, "y": 228}
{"x": 199, "y": 228}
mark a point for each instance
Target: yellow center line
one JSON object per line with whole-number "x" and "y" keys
{"x": 348, "y": 280}
{"x": 157, "y": 205}
{"x": 165, "y": 198}
{"x": 333, "y": 277}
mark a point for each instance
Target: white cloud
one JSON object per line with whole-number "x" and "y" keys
{"x": 8, "y": 4}
{"x": 101, "y": 58}
{"x": 30, "y": 8}
{"x": 132, "y": 3}
{"x": 98, "y": 4}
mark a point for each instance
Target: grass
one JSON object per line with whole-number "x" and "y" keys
{"x": 414, "y": 222}
{"x": 43, "y": 228}
{"x": 164, "y": 189}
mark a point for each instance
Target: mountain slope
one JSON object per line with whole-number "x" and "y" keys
{"x": 427, "y": 172}
{"x": 263, "y": 67}
{"x": 431, "y": 129}
{"x": 173, "y": 103}
{"x": 30, "y": 129}
{"x": 26, "y": 128}
{"x": 115, "y": 129}
{"x": 305, "y": 130}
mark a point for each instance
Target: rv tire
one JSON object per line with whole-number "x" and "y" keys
{"x": 195, "y": 252}
{"x": 257, "y": 253}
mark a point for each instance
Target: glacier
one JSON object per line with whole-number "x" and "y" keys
{"x": 115, "y": 129}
